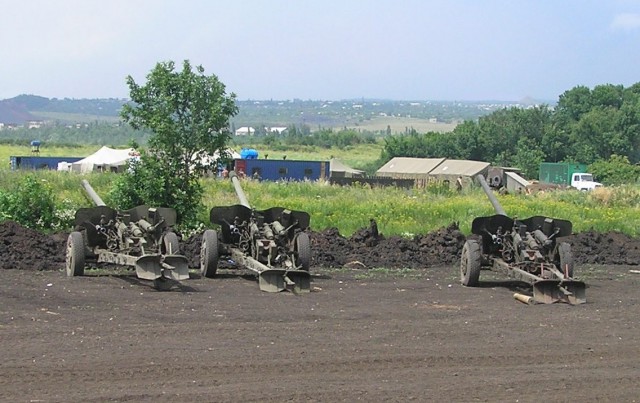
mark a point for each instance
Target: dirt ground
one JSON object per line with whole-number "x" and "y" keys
{"x": 363, "y": 333}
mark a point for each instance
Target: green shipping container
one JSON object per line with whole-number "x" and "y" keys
{"x": 559, "y": 172}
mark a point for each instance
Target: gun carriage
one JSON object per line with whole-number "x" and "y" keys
{"x": 272, "y": 243}
{"x": 529, "y": 250}
{"x": 141, "y": 237}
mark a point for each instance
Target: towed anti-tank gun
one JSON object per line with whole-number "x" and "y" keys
{"x": 140, "y": 237}
{"x": 528, "y": 250}
{"x": 272, "y": 243}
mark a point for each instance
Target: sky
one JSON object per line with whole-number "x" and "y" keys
{"x": 453, "y": 50}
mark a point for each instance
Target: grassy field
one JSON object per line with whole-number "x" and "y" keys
{"x": 397, "y": 211}
{"x": 75, "y": 117}
{"x": 356, "y": 156}
{"x": 400, "y": 125}
{"x": 8, "y": 150}
{"x": 419, "y": 211}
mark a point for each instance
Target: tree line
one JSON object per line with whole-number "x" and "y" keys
{"x": 98, "y": 133}
{"x": 599, "y": 127}
{"x": 589, "y": 126}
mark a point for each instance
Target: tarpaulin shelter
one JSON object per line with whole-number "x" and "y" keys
{"x": 105, "y": 159}
{"x": 339, "y": 169}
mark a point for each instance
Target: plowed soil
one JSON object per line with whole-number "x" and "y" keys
{"x": 386, "y": 320}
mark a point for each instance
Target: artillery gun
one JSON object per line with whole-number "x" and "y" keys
{"x": 527, "y": 250}
{"x": 140, "y": 237}
{"x": 271, "y": 243}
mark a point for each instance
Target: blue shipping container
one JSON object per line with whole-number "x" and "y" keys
{"x": 274, "y": 170}
{"x": 18, "y": 162}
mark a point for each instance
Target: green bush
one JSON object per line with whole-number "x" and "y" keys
{"x": 148, "y": 182}
{"x": 616, "y": 170}
{"x": 32, "y": 203}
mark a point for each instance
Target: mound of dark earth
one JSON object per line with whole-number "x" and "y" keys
{"x": 25, "y": 249}
{"x": 368, "y": 249}
{"x": 607, "y": 248}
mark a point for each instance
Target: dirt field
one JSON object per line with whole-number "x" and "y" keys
{"x": 361, "y": 334}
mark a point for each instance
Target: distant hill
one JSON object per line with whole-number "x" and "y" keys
{"x": 356, "y": 113}
{"x": 24, "y": 108}
{"x": 12, "y": 111}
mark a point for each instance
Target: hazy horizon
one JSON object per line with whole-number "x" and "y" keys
{"x": 429, "y": 50}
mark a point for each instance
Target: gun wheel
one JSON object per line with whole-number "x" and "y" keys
{"x": 209, "y": 253}
{"x": 470, "y": 263}
{"x": 75, "y": 255}
{"x": 170, "y": 244}
{"x": 565, "y": 259}
{"x": 303, "y": 251}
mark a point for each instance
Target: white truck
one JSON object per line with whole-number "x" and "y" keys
{"x": 583, "y": 181}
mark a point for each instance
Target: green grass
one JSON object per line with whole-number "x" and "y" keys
{"x": 400, "y": 125}
{"x": 419, "y": 211}
{"x": 67, "y": 185}
{"x": 75, "y": 117}
{"x": 8, "y": 150}
{"x": 355, "y": 156}
{"x": 397, "y": 211}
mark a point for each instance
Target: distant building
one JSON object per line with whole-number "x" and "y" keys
{"x": 433, "y": 169}
{"x": 35, "y": 124}
{"x": 245, "y": 131}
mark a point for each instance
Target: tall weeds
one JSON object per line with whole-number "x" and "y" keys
{"x": 397, "y": 211}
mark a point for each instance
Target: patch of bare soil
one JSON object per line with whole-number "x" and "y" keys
{"x": 102, "y": 337}
{"x": 358, "y": 335}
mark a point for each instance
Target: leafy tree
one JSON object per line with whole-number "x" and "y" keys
{"x": 595, "y": 136}
{"x": 607, "y": 95}
{"x": 573, "y": 103}
{"x": 528, "y": 157}
{"x": 593, "y": 125}
{"x": 616, "y": 170}
{"x": 188, "y": 114}
{"x": 465, "y": 139}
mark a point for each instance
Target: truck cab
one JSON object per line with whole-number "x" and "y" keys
{"x": 584, "y": 181}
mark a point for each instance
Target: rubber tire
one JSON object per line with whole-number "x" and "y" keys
{"x": 170, "y": 244}
{"x": 303, "y": 251}
{"x": 209, "y": 253}
{"x": 74, "y": 265}
{"x": 470, "y": 263}
{"x": 565, "y": 258}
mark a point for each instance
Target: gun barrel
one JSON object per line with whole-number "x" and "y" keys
{"x": 97, "y": 200}
{"x": 238, "y": 188}
{"x": 492, "y": 198}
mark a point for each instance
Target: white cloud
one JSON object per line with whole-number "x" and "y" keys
{"x": 626, "y": 22}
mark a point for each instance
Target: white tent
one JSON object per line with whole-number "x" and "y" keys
{"x": 211, "y": 160}
{"x": 104, "y": 159}
{"x": 208, "y": 160}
